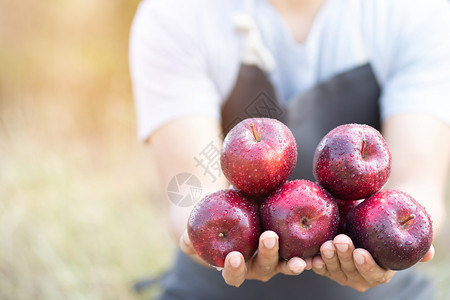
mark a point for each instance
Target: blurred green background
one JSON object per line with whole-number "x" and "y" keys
{"x": 79, "y": 215}
{"x": 79, "y": 210}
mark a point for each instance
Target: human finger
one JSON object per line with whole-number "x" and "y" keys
{"x": 293, "y": 266}
{"x": 185, "y": 244}
{"x": 344, "y": 249}
{"x": 331, "y": 260}
{"x": 318, "y": 265}
{"x": 266, "y": 261}
{"x": 234, "y": 270}
{"x": 429, "y": 255}
{"x": 369, "y": 269}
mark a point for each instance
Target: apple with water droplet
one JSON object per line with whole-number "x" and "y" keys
{"x": 352, "y": 161}
{"x": 258, "y": 155}
{"x": 393, "y": 227}
{"x": 222, "y": 222}
{"x": 345, "y": 206}
{"x": 303, "y": 214}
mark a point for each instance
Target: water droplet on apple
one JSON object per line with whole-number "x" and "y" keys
{"x": 224, "y": 213}
{"x": 212, "y": 214}
{"x": 408, "y": 243}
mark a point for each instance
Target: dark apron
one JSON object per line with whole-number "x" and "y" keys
{"x": 350, "y": 97}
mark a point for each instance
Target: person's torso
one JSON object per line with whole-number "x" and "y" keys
{"x": 344, "y": 35}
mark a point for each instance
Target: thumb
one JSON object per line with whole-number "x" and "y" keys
{"x": 185, "y": 244}
{"x": 429, "y": 255}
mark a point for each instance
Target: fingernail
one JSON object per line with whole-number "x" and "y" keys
{"x": 186, "y": 240}
{"x": 319, "y": 266}
{"x": 328, "y": 253}
{"x": 235, "y": 261}
{"x": 358, "y": 258}
{"x": 342, "y": 247}
{"x": 297, "y": 267}
{"x": 269, "y": 243}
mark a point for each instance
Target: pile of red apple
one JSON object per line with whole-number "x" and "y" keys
{"x": 351, "y": 165}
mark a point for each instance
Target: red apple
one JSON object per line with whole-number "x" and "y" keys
{"x": 258, "y": 155}
{"x": 345, "y": 206}
{"x": 352, "y": 162}
{"x": 303, "y": 214}
{"x": 393, "y": 227}
{"x": 222, "y": 222}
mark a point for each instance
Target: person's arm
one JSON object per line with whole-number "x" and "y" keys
{"x": 420, "y": 148}
{"x": 175, "y": 146}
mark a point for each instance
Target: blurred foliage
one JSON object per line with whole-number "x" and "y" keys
{"x": 78, "y": 193}
{"x": 79, "y": 210}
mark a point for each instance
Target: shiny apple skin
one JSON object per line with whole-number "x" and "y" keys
{"x": 352, "y": 161}
{"x": 258, "y": 167}
{"x": 376, "y": 225}
{"x": 222, "y": 222}
{"x": 303, "y": 214}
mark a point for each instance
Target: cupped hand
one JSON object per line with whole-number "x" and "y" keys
{"x": 356, "y": 268}
{"x": 262, "y": 266}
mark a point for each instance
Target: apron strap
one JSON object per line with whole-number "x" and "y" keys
{"x": 254, "y": 51}
{"x": 363, "y": 52}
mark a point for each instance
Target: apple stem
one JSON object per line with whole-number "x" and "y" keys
{"x": 305, "y": 222}
{"x": 255, "y": 135}
{"x": 410, "y": 217}
{"x": 363, "y": 148}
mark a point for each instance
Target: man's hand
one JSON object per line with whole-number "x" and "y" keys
{"x": 356, "y": 268}
{"x": 338, "y": 260}
{"x": 263, "y": 266}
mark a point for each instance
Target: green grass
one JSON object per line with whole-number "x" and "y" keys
{"x": 77, "y": 225}
{"x": 80, "y": 209}
{"x": 80, "y": 215}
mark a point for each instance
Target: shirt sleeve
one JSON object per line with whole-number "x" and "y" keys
{"x": 418, "y": 80}
{"x": 168, "y": 66}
